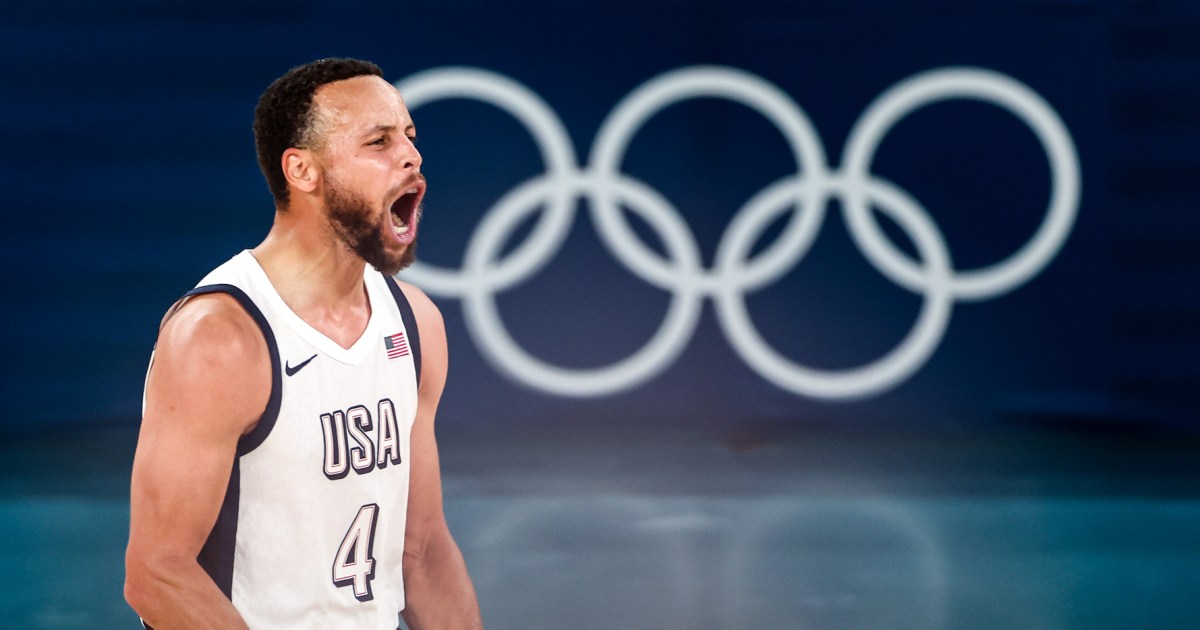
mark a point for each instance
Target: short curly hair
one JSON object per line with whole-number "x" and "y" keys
{"x": 285, "y": 117}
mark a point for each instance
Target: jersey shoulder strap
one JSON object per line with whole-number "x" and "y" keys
{"x": 410, "y": 323}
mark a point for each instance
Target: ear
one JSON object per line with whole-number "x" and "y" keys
{"x": 301, "y": 170}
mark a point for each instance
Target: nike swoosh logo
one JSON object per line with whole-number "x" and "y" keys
{"x": 292, "y": 370}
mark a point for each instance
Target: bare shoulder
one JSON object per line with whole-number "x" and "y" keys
{"x": 211, "y": 355}
{"x": 213, "y": 325}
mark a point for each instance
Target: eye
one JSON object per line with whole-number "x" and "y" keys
{"x": 380, "y": 141}
{"x": 413, "y": 138}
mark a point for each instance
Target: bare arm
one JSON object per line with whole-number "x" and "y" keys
{"x": 437, "y": 587}
{"x": 207, "y": 386}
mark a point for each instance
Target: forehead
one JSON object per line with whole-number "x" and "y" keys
{"x": 364, "y": 102}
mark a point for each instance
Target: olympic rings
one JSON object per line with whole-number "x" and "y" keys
{"x": 806, "y": 194}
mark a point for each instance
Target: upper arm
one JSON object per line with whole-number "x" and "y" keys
{"x": 425, "y": 486}
{"x": 208, "y": 384}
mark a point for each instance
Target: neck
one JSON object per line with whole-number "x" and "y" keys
{"x": 317, "y": 276}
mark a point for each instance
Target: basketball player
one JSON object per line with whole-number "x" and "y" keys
{"x": 286, "y": 473}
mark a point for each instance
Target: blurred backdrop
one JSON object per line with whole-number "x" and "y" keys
{"x": 761, "y": 314}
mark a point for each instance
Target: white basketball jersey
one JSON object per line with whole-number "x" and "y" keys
{"x": 311, "y": 533}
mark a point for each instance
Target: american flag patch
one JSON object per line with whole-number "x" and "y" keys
{"x": 396, "y": 345}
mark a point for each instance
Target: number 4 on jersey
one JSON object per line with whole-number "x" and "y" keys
{"x": 354, "y": 563}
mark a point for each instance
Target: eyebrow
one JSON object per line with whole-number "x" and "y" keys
{"x": 410, "y": 128}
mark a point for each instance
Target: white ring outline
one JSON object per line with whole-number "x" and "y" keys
{"x": 965, "y": 83}
{"x": 674, "y": 87}
{"x": 878, "y": 375}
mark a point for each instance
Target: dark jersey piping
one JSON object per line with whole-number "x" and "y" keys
{"x": 410, "y": 324}
{"x": 216, "y": 557}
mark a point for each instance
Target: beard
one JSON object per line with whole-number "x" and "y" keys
{"x": 352, "y": 219}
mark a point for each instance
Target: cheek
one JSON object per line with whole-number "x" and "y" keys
{"x": 363, "y": 177}
{"x": 369, "y": 173}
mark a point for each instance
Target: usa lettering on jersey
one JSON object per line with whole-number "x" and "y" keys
{"x": 354, "y": 440}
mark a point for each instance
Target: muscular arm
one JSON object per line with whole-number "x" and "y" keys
{"x": 208, "y": 384}
{"x": 438, "y": 590}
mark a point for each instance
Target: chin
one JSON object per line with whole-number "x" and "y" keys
{"x": 392, "y": 265}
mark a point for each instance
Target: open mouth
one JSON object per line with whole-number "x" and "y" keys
{"x": 405, "y": 211}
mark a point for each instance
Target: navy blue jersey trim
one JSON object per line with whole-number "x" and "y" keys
{"x": 252, "y": 440}
{"x": 410, "y": 324}
{"x": 216, "y": 556}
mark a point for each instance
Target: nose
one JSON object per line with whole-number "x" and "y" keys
{"x": 410, "y": 157}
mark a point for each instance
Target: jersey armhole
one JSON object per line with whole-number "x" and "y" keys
{"x": 266, "y": 422}
{"x": 410, "y": 323}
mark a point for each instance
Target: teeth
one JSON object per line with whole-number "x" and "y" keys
{"x": 398, "y": 224}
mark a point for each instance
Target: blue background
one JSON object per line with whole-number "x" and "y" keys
{"x": 1069, "y": 403}
{"x": 131, "y": 173}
